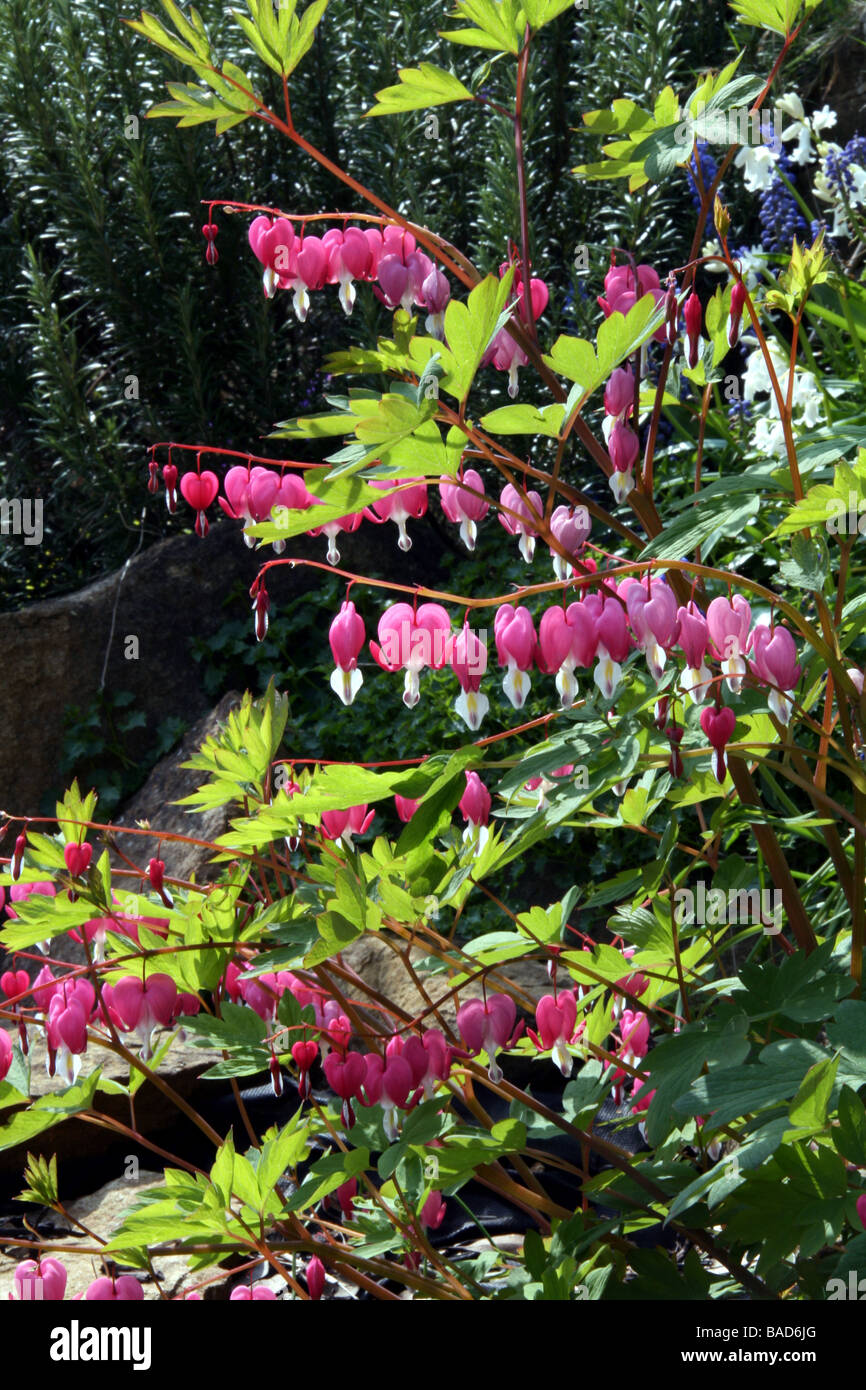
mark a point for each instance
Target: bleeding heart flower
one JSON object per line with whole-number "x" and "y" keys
{"x": 43, "y": 1279}
{"x": 487, "y": 1026}
{"x": 728, "y": 625}
{"x": 342, "y": 825}
{"x": 555, "y": 1016}
{"x": 774, "y": 661}
{"x": 412, "y": 640}
{"x": 475, "y": 804}
{"x": 346, "y": 636}
{"x": 124, "y": 1289}
{"x": 571, "y": 526}
{"x": 77, "y": 858}
{"x": 462, "y": 507}
{"x": 142, "y": 1006}
{"x": 387, "y": 1082}
{"x": 522, "y": 523}
{"x": 718, "y": 725}
{"x": 345, "y": 1076}
{"x": 466, "y": 654}
{"x": 14, "y": 983}
{"x": 349, "y": 258}
{"x": 252, "y": 1293}
{"x": 516, "y": 645}
{"x": 199, "y": 490}
{"x": 304, "y": 1055}
{"x": 694, "y": 640}
{"x": 405, "y": 498}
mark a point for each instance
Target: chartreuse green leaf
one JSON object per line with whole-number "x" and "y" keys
{"x": 469, "y": 328}
{"x": 779, "y": 16}
{"x": 541, "y": 12}
{"x": 239, "y": 756}
{"x": 499, "y": 25}
{"x": 808, "y": 266}
{"x": 525, "y": 419}
{"x": 463, "y": 1152}
{"x": 282, "y": 1149}
{"x": 73, "y": 812}
{"x": 49, "y": 1110}
{"x": 278, "y": 36}
{"x": 838, "y": 507}
{"x": 618, "y": 337}
{"x": 651, "y": 138}
{"x": 39, "y": 918}
{"x": 419, "y": 88}
{"x": 339, "y": 497}
{"x": 280, "y": 39}
{"x": 396, "y": 432}
{"x": 327, "y": 1175}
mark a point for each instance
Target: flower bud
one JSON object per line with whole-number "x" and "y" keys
{"x": 738, "y": 299}
{"x": 694, "y": 316}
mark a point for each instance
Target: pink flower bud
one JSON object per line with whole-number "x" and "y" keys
{"x": 344, "y": 1194}
{"x": 476, "y": 801}
{"x": 315, "y": 1277}
{"x": 432, "y": 1213}
{"x": 694, "y": 316}
{"x": 738, "y": 299}
{"x": 619, "y": 393}
{"x": 623, "y": 448}
{"x": 169, "y": 477}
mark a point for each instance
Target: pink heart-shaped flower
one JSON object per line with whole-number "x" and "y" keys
{"x": 77, "y": 858}
{"x": 199, "y": 489}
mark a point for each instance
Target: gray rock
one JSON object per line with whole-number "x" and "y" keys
{"x": 54, "y": 652}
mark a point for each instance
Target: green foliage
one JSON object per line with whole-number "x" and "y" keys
{"x": 98, "y": 745}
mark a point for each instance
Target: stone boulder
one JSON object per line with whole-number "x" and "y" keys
{"x": 62, "y": 651}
